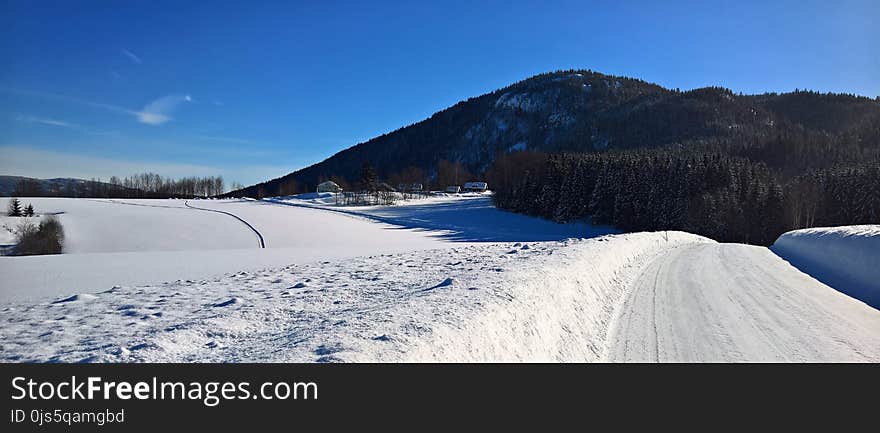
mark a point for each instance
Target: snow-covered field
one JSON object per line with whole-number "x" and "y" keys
{"x": 133, "y": 242}
{"x": 545, "y": 301}
{"x": 109, "y": 226}
{"x": 846, "y": 258}
{"x": 130, "y": 242}
{"x": 441, "y": 279}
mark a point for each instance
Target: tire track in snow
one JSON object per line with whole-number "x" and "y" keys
{"x": 738, "y": 303}
{"x": 654, "y": 314}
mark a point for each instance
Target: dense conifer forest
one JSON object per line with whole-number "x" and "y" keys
{"x": 727, "y": 198}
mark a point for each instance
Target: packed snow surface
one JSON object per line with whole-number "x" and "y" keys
{"x": 732, "y": 303}
{"x": 846, "y": 258}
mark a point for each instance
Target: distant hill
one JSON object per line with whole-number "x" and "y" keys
{"x": 57, "y": 187}
{"x": 586, "y": 111}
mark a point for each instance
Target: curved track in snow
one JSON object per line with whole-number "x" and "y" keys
{"x": 732, "y": 302}
{"x": 253, "y": 229}
{"x": 262, "y": 242}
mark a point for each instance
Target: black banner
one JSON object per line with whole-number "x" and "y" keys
{"x": 128, "y": 397}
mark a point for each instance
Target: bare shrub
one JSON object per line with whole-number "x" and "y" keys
{"x": 47, "y": 238}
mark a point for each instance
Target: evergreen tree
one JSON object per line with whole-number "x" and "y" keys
{"x": 29, "y": 210}
{"x": 14, "y": 208}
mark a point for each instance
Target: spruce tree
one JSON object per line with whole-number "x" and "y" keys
{"x": 29, "y": 210}
{"x": 14, "y": 208}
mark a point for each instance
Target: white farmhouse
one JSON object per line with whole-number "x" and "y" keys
{"x": 329, "y": 186}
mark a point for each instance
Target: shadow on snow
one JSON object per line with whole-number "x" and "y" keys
{"x": 465, "y": 220}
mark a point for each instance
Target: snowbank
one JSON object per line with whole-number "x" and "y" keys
{"x": 846, "y": 258}
{"x": 559, "y": 311}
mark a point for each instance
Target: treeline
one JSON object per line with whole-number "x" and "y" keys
{"x": 152, "y": 184}
{"x": 726, "y": 198}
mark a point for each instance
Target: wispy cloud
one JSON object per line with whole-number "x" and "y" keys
{"x": 46, "y": 121}
{"x": 159, "y": 111}
{"x": 156, "y": 112}
{"x": 218, "y": 103}
{"x": 132, "y": 56}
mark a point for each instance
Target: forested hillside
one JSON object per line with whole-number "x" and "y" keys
{"x": 586, "y": 111}
{"x": 583, "y": 145}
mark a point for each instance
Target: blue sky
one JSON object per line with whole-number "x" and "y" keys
{"x": 254, "y": 90}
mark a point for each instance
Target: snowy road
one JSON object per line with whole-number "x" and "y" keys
{"x": 732, "y": 302}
